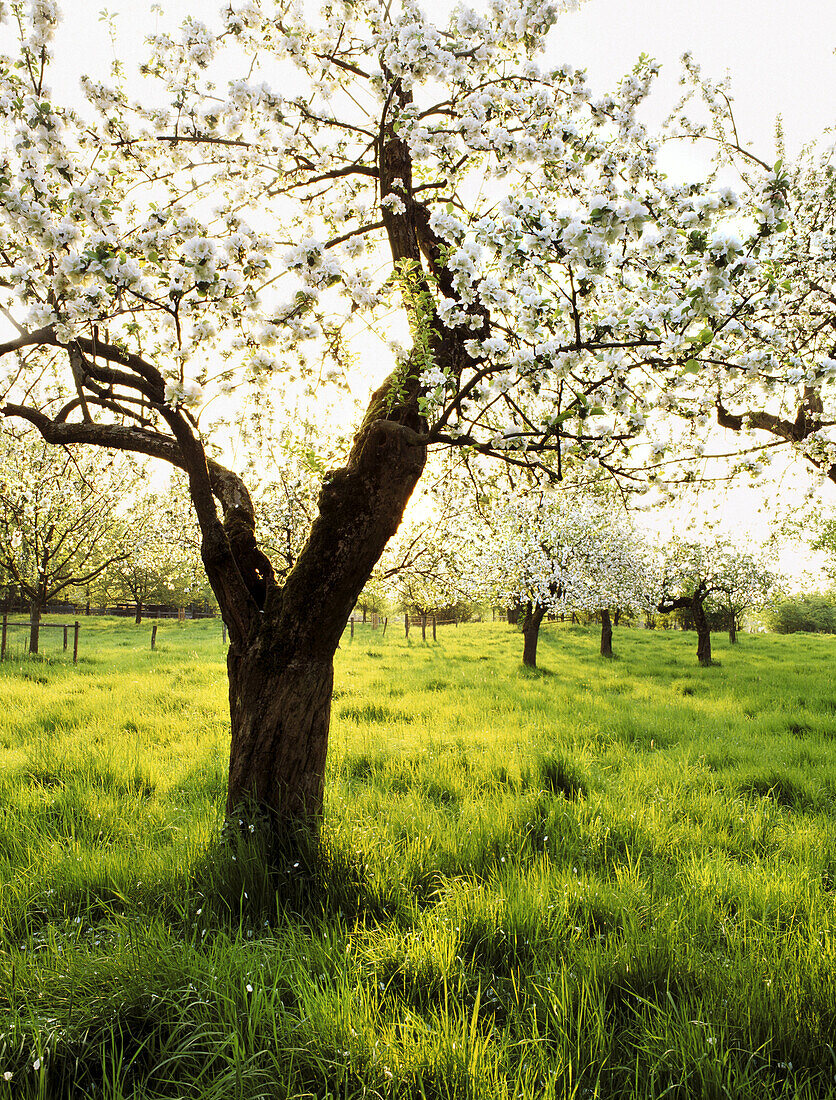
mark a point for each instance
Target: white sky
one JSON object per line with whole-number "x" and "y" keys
{"x": 780, "y": 55}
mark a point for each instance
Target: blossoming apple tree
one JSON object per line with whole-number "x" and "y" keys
{"x": 59, "y": 528}
{"x": 161, "y": 552}
{"x": 281, "y": 186}
{"x": 701, "y": 575}
{"x": 623, "y": 576}
{"x": 561, "y": 551}
{"x": 745, "y": 582}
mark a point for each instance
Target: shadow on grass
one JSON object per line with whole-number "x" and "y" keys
{"x": 251, "y": 878}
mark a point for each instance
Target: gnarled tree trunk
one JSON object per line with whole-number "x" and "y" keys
{"x": 695, "y": 604}
{"x": 281, "y": 668}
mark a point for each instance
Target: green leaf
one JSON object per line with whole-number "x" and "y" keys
{"x": 692, "y": 366}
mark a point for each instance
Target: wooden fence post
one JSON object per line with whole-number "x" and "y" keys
{"x": 3, "y": 642}
{"x": 385, "y": 624}
{"x": 223, "y": 632}
{"x": 352, "y": 629}
{"x": 406, "y": 624}
{"x": 66, "y": 636}
{"x": 434, "y": 637}
{"x": 154, "y": 636}
{"x": 75, "y": 642}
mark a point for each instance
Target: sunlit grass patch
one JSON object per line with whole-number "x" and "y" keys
{"x": 613, "y": 879}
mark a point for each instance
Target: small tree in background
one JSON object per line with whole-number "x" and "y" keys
{"x": 161, "y": 562}
{"x": 698, "y": 577}
{"x": 58, "y": 524}
{"x": 744, "y": 582}
{"x": 536, "y": 558}
{"x": 620, "y": 570}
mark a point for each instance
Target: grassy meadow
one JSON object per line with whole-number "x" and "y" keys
{"x": 595, "y": 879}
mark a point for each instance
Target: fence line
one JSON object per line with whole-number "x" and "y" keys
{"x": 41, "y": 626}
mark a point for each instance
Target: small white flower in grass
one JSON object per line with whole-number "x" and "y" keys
{"x": 36, "y": 1065}
{"x": 7, "y": 1076}
{"x": 249, "y": 988}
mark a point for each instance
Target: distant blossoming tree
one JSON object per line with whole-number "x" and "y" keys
{"x": 698, "y": 576}
{"x": 59, "y": 528}
{"x": 559, "y": 551}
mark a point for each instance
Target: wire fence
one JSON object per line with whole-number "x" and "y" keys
{"x": 423, "y": 623}
{"x": 50, "y": 639}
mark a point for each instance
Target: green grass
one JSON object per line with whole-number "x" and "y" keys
{"x": 594, "y": 879}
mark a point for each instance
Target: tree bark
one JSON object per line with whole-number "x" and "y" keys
{"x": 513, "y": 615}
{"x": 703, "y": 633}
{"x": 531, "y": 631}
{"x": 606, "y": 633}
{"x": 34, "y": 625}
{"x": 732, "y": 628}
{"x": 423, "y": 627}
{"x": 138, "y": 617}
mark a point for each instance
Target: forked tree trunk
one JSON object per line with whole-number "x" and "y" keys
{"x": 283, "y": 636}
{"x": 281, "y": 666}
{"x": 606, "y": 633}
{"x": 531, "y": 632}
